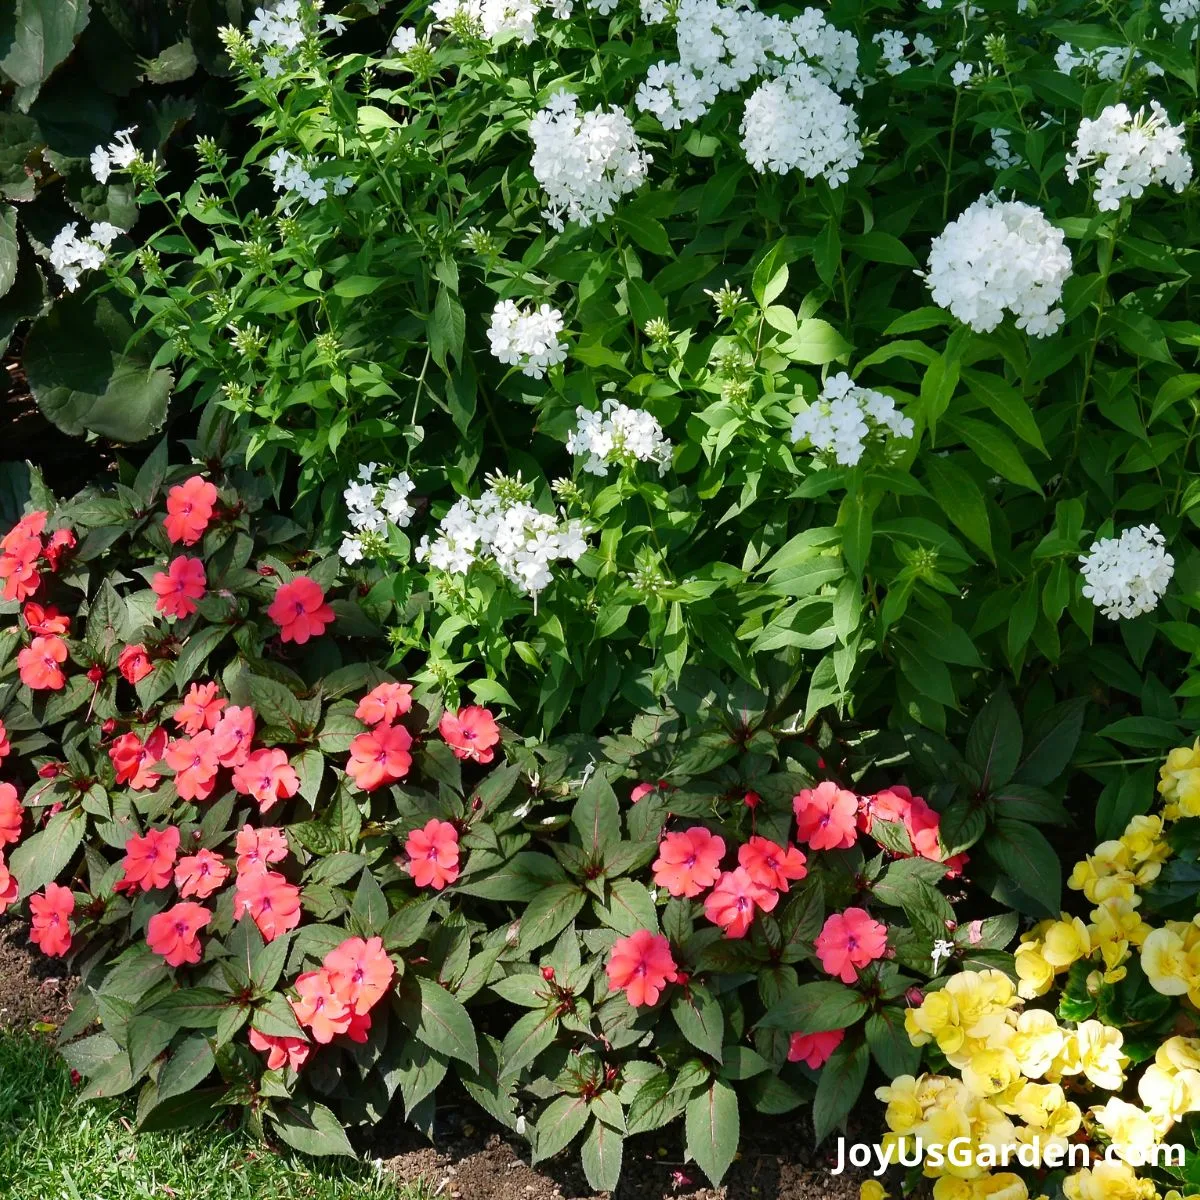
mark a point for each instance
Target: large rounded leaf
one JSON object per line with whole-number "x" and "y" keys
{"x": 36, "y": 36}
{"x": 83, "y": 377}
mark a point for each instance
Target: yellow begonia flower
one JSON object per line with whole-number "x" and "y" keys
{"x": 1036, "y": 975}
{"x": 1108, "y": 1181}
{"x": 990, "y": 1072}
{"x": 871, "y": 1189}
{"x": 1036, "y": 1042}
{"x": 1179, "y": 782}
{"x": 1066, "y": 942}
{"x": 1165, "y": 962}
{"x": 1001, "y": 1186}
{"x": 1100, "y": 1057}
{"x": 1180, "y": 1053}
{"x": 949, "y": 1188}
{"x": 1129, "y": 1128}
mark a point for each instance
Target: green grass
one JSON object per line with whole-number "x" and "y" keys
{"x": 53, "y": 1147}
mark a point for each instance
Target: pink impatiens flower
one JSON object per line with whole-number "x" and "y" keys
{"x": 814, "y": 1049}
{"x": 470, "y": 733}
{"x": 433, "y": 854}
{"x": 826, "y": 817}
{"x": 267, "y": 776}
{"x": 189, "y": 510}
{"x": 180, "y": 586}
{"x": 300, "y": 611}
{"x": 688, "y": 862}
{"x": 383, "y": 704}
{"x": 200, "y": 874}
{"x": 850, "y": 940}
{"x": 173, "y": 933}
{"x": 641, "y": 965}
{"x": 732, "y": 903}
{"x": 771, "y": 865}
{"x": 201, "y": 709}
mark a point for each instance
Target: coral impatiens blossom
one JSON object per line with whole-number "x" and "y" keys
{"x": 380, "y": 756}
{"x": 232, "y": 736}
{"x": 195, "y": 763}
{"x": 433, "y": 854}
{"x": 770, "y": 864}
{"x": 134, "y": 663}
{"x": 19, "y": 553}
{"x": 281, "y": 1051}
{"x": 470, "y": 733}
{"x": 200, "y": 874}
{"x": 134, "y": 759}
{"x": 383, "y": 704}
{"x": 258, "y": 847}
{"x": 201, "y": 709}
{"x": 322, "y": 1008}
{"x": 732, "y": 903}
{"x": 361, "y": 971}
{"x": 300, "y": 611}
{"x": 61, "y": 540}
{"x": 180, "y": 586}
{"x": 39, "y": 664}
{"x": 267, "y": 776}
{"x": 12, "y": 815}
{"x": 814, "y": 1049}
{"x": 272, "y": 902}
{"x": 9, "y": 888}
{"x": 39, "y": 620}
{"x": 173, "y": 933}
{"x": 688, "y": 862}
{"x": 850, "y": 940}
{"x": 826, "y": 817}
{"x": 641, "y": 965}
{"x": 189, "y": 510}
{"x": 150, "y": 861}
{"x": 51, "y": 919}
{"x": 898, "y": 805}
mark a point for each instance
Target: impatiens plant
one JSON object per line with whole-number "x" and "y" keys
{"x": 296, "y": 886}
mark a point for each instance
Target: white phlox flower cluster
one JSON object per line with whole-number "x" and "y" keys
{"x": 798, "y": 123}
{"x": 528, "y": 339}
{"x": 293, "y": 176}
{"x": 1176, "y": 12}
{"x": 1126, "y": 576}
{"x": 846, "y": 417}
{"x": 585, "y": 162}
{"x": 495, "y": 18}
{"x": 504, "y": 528}
{"x": 618, "y": 434}
{"x": 117, "y": 155}
{"x": 1106, "y": 62}
{"x": 1000, "y": 255}
{"x": 371, "y": 503}
{"x": 1002, "y": 156}
{"x": 895, "y": 45}
{"x": 71, "y": 254}
{"x": 1130, "y": 152}
{"x": 723, "y": 46}
{"x": 278, "y": 31}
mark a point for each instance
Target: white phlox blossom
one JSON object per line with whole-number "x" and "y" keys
{"x": 371, "y": 503}
{"x": 618, "y": 434}
{"x": 503, "y": 528}
{"x": 1126, "y": 576}
{"x": 71, "y": 254}
{"x": 1002, "y": 156}
{"x": 798, "y": 123}
{"x": 293, "y": 176}
{"x": 961, "y": 73}
{"x": 527, "y": 339}
{"x": 724, "y": 46}
{"x": 1176, "y": 12}
{"x": 845, "y": 417}
{"x": 1107, "y": 62}
{"x": 404, "y": 39}
{"x": 1000, "y": 255}
{"x": 279, "y": 30}
{"x": 117, "y": 155}
{"x": 584, "y": 162}
{"x": 495, "y": 18}
{"x": 894, "y": 46}
{"x": 1130, "y": 152}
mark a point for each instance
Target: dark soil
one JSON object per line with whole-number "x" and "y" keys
{"x": 34, "y": 990}
{"x": 472, "y": 1159}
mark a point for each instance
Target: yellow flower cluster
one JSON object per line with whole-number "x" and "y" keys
{"x": 1109, "y": 878}
{"x": 1022, "y": 1077}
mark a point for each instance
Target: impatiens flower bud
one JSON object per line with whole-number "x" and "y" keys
{"x": 96, "y": 674}
{"x": 548, "y": 974}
